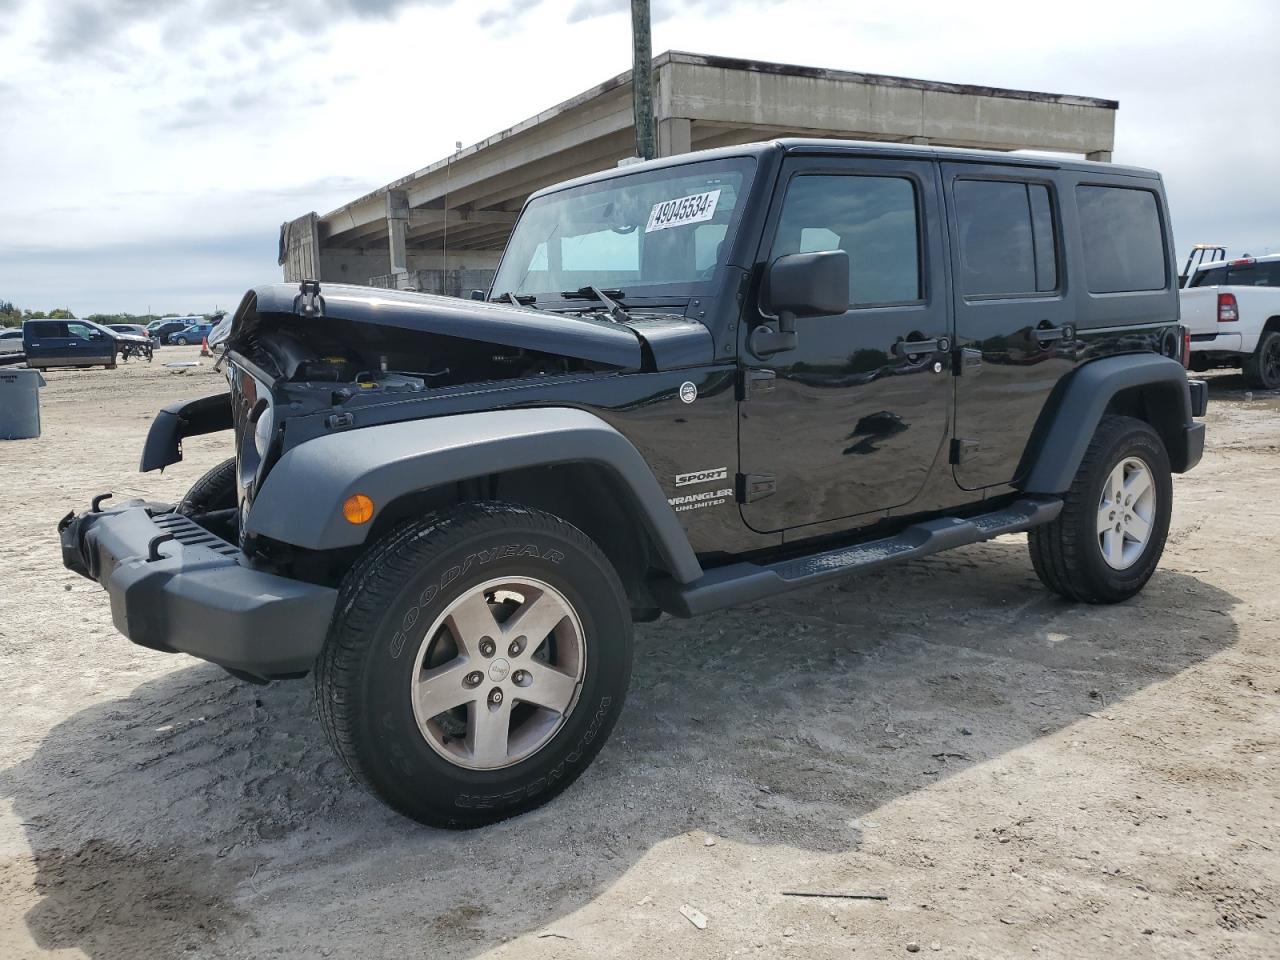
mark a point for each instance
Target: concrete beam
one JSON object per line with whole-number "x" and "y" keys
{"x": 397, "y": 227}
{"x": 675, "y": 136}
{"x": 883, "y": 108}
{"x": 436, "y": 217}
{"x": 457, "y": 235}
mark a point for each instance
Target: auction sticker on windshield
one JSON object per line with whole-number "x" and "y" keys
{"x": 682, "y": 211}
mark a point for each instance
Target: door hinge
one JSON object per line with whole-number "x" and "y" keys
{"x": 962, "y": 450}
{"x": 966, "y": 360}
{"x": 754, "y": 383}
{"x": 754, "y": 486}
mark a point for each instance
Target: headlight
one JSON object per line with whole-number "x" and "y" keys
{"x": 262, "y": 431}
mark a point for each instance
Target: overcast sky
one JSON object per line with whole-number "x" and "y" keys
{"x": 151, "y": 148}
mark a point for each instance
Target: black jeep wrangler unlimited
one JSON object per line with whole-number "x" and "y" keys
{"x": 695, "y": 382}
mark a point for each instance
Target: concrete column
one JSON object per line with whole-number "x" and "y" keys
{"x": 397, "y": 226}
{"x": 1102, "y": 155}
{"x": 675, "y": 135}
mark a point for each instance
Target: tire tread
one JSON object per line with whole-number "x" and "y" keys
{"x": 1056, "y": 548}
{"x": 362, "y": 602}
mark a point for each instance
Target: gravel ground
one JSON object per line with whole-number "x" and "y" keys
{"x": 1017, "y": 775}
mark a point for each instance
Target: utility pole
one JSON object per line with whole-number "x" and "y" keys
{"x": 642, "y": 79}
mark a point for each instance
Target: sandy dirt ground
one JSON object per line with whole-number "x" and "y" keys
{"x": 1018, "y": 776}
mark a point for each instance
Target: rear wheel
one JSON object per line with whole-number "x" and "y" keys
{"x": 1107, "y": 542}
{"x": 1262, "y": 367}
{"x": 476, "y": 664}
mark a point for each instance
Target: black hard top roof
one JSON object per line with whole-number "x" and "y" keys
{"x": 869, "y": 148}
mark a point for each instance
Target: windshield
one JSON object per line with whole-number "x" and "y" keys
{"x": 653, "y": 233}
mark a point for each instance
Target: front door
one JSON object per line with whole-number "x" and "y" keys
{"x": 1013, "y": 315}
{"x": 852, "y": 419}
{"x": 88, "y": 345}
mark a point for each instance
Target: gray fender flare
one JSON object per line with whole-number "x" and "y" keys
{"x": 301, "y": 499}
{"x": 1071, "y": 417}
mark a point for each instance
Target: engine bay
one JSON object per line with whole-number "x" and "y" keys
{"x": 359, "y": 357}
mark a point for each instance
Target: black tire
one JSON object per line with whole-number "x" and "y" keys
{"x": 410, "y": 578}
{"x": 216, "y": 490}
{"x": 180, "y": 341}
{"x": 1262, "y": 367}
{"x": 1066, "y": 553}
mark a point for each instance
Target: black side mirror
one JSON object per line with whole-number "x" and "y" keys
{"x": 801, "y": 285}
{"x": 477, "y": 294}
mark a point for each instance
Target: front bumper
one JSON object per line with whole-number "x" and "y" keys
{"x": 176, "y": 587}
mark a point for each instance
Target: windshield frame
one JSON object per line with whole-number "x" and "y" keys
{"x": 747, "y": 164}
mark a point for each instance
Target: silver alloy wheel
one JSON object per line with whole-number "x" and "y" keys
{"x": 498, "y": 673}
{"x": 1126, "y": 513}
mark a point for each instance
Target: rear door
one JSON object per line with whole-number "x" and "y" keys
{"x": 850, "y": 422}
{"x": 1013, "y": 314}
{"x": 48, "y": 343}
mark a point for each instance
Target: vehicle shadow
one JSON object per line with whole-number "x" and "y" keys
{"x": 1231, "y": 387}
{"x": 200, "y": 813}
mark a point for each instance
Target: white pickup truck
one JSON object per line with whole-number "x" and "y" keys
{"x": 1232, "y": 310}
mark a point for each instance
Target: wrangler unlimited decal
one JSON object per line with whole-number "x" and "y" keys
{"x": 696, "y": 501}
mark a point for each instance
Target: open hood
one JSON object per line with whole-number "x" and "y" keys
{"x": 583, "y": 338}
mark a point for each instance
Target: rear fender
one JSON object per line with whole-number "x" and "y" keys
{"x": 1147, "y": 385}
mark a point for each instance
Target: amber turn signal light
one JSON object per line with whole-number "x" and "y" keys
{"x": 358, "y": 509}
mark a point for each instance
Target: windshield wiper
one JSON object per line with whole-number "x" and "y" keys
{"x": 615, "y": 309}
{"x": 515, "y": 299}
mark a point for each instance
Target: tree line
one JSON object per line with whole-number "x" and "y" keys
{"x": 12, "y": 316}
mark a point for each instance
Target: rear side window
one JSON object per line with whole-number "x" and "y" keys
{"x": 1123, "y": 240}
{"x": 1254, "y": 275}
{"x": 1008, "y": 245}
{"x": 48, "y": 329}
{"x": 874, "y": 219}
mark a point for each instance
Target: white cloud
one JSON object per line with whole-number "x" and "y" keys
{"x": 139, "y": 129}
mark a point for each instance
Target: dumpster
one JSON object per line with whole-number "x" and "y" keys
{"x": 20, "y": 404}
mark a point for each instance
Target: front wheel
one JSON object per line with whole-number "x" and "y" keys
{"x": 1106, "y": 543}
{"x": 477, "y": 663}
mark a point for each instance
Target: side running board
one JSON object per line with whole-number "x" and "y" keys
{"x": 743, "y": 582}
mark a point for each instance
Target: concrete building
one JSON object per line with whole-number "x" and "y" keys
{"x": 443, "y": 227}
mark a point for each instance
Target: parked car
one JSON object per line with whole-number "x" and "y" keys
{"x": 166, "y": 327}
{"x": 763, "y": 367}
{"x": 1232, "y": 309}
{"x": 69, "y": 343}
{"x": 192, "y": 334}
{"x": 134, "y": 329}
{"x": 11, "y": 341}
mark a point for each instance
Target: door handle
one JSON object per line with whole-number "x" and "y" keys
{"x": 916, "y": 348}
{"x": 1051, "y": 333}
